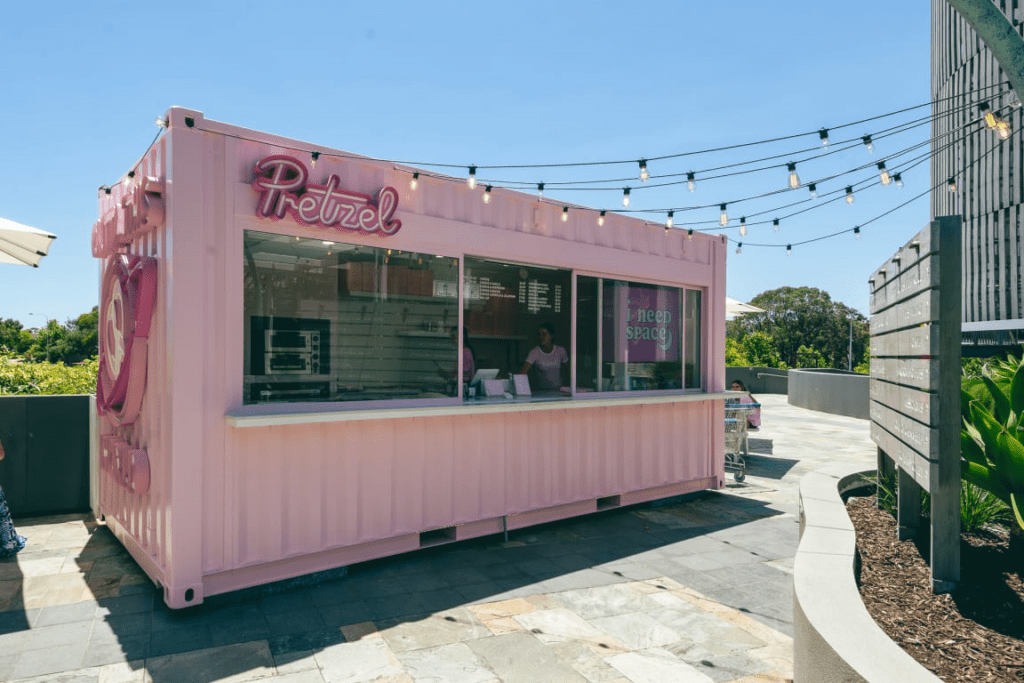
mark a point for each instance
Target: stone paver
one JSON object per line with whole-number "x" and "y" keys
{"x": 692, "y": 590}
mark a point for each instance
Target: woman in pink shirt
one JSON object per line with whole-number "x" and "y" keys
{"x": 548, "y": 361}
{"x": 754, "y": 416}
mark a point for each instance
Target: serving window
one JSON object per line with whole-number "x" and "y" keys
{"x": 327, "y": 321}
{"x": 633, "y": 336}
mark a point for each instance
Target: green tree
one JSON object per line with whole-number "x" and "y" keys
{"x": 13, "y": 338}
{"x": 735, "y": 353}
{"x": 761, "y": 350}
{"x": 796, "y": 317}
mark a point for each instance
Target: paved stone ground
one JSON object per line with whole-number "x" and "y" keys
{"x": 690, "y": 590}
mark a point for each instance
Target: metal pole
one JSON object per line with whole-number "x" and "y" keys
{"x": 850, "y": 356}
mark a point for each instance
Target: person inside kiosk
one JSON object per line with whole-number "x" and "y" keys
{"x": 548, "y": 364}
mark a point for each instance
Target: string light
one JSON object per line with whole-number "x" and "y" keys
{"x": 315, "y": 156}
{"x": 690, "y": 181}
{"x": 644, "y": 175}
{"x": 739, "y": 247}
{"x": 487, "y": 194}
{"x": 668, "y": 221}
{"x": 689, "y": 234}
{"x": 868, "y": 143}
{"x": 899, "y": 180}
{"x": 625, "y": 196}
{"x": 794, "y": 179}
{"x": 814, "y": 190}
{"x": 849, "y": 194}
{"x": 540, "y": 190}
{"x": 823, "y": 134}
{"x": 775, "y": 225}
{"x": 161, "y": 122}
{"x": 471, "y": 180}
{"x": 991, "y": 119}
{"x": 883, "y": 174}
{"x": 723, "y": 220}
{"x": 951, "y": 184}
{"x": 565, "y": 214}
{"x": 1003, "y": 129}
{"x": 415, "y": 182}
{"x": 789, "y": 249}
{"x": 600, "y": 217}
{"x": 856, "y": 232}
{"x": 743, "y": 226}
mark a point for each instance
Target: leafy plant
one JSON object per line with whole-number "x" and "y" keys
{"x": 992, "y": 455}
{"x": 21, "y": 377}
{"x": 978, "y": 508}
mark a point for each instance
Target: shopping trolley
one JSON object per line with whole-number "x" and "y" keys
{"x": 736, "y": 438}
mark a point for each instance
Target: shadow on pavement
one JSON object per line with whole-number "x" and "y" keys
{"x": 279, "y": 623}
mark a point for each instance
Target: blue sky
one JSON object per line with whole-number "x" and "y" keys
{"x": 474, "y": 83}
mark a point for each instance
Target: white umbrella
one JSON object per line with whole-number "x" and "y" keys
{"x": 734, "y": 308}
{"x": 23, "y": 245}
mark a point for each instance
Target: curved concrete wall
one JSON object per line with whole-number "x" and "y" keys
{"x": 830, "y": 391}
{"x": 834, "y": 637}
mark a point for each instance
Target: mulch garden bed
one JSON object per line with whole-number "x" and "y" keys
{"x": 975, "y": 633}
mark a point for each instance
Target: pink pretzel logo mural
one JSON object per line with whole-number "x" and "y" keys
{"x": 126, "y": 312}
{"x": 281, "y": 182}
{"x": 127, "y": 465}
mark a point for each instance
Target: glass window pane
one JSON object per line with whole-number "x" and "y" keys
{"x": 327, "y": 321}
{"x": 588, "y": 302}
{"x": 505, "y": 306}
{"x": 693, "y": 338}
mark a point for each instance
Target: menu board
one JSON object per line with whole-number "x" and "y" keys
{"x": 539, "y": 296}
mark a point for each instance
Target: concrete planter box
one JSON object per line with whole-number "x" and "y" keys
{"x": 835, "y": 640}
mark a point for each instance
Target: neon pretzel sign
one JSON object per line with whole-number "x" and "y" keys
{"x": 281, "y": 182}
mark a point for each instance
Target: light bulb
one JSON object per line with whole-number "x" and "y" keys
{"x": 689, "y": 234}
{"x": 644, "y": 175}
{"x": 867, "y": 143}
{"x": 600, "y": 218}
{"x": 883, "y": 174}
{"x": 794, "y": 179}
{"x": 739, "y": 247}
{"x": 565, "y": 214}
{"x": 326, "y": 243}
{"x": 625, "y": 196}
{"x": 823, "y": 134}
{"x": 898, "y": 178}
{"x": 487, "y": 195}
{"x": 990, "y": 116}
{"x": 540, "y": 190}
{"x": 743, "y": 226}
{"x": 1003, "y": 129}
{"x": 415, "y": 182}
{"x": 775, "y": 225}
{"x": 856, "y": 232}
{"x": 951, "y": 184}
{"x": 690, "y": 181}
{"x": 723, "y": 220}
{"x": 789, "y": 249}
{"x": 668, "y": 221}
{"x": 314, "y": 156}
{"x": 471, "y": 180}
{"x": 814, "y": 190}
{"x": 849, "y": 194}
{"x": 161, "y": 122}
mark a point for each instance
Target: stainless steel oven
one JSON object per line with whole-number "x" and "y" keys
{"x": 290, "y": 346}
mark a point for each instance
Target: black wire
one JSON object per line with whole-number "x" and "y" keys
{"x": 882, "y": 215}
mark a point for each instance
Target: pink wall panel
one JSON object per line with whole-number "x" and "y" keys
{"x": 303, "y": 490}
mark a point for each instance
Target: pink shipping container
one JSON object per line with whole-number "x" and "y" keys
{"x": 279, "y": 359}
